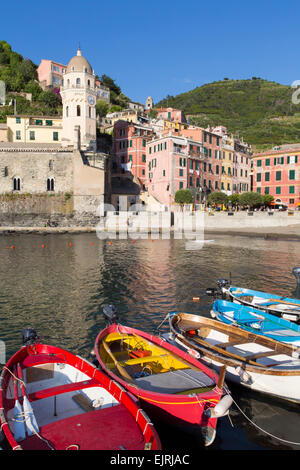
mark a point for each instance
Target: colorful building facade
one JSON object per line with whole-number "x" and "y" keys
{"x": 129, "y": 150}
{"x": 173, "y": 163}
{"x": 277, "y": 172}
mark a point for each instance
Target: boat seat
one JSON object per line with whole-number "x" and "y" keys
{"x": 141, "y": 360}
{"x": 49, "y": 392}
{"x": 253, "y": 357}
{"x": 232, "y": 343}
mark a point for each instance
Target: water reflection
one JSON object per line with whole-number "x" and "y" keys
{"x": 60, "y": 289}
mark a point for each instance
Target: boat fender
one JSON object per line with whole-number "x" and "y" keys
{"x": 244, "y": 376}
{"x": 212, "y": 313}
{"x": 193, "y": 353}
{"x": 221, "y": 409}
{"x": 295, "y": 354}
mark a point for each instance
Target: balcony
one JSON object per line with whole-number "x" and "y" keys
{"x": 180, "y": 151}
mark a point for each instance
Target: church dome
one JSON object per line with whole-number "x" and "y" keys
{"x": 79, "y": 64}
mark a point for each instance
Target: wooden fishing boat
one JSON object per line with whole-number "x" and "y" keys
{"x": 51, "y": 399}
{"x": 282, "y": 306}
{"x": 256, "y": 321}
{"x": 172, "y": 385}
{"x": 257, "y": 362}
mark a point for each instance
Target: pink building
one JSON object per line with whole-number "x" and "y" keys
{"x": 129, "y": 150}
{"x": 277, "y": 172}
{"x": 212, "y": 164}
{"x": 173, "y": 163}
{"x": 50, "y": 73}
{"x": 171, "y": 114}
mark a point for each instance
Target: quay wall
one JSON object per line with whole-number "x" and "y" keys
{"x": 242, "y": 220}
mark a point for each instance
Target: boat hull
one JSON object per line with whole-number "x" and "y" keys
{"x": 188, "y": 411}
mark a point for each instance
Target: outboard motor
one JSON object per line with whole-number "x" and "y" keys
{"x": 110, "y": 314}
{"x": 296, "y": 272}
{"x": 29, "y": 336}
{"x": 223, "y": 285}
{"x": 212, "y": 292}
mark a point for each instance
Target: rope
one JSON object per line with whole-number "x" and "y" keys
{"x": 25, "y": 415}
{"x": 161, "y": 323}
{"x": 262, "y": 430}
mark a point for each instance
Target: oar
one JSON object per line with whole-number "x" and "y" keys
{"x": 286, "y": 302}
{"x": 121, "y": 369}
{"x": 30, "y": 420}
{"x": 19, "y": 425}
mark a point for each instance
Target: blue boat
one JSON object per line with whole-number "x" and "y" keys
{"x": 256, "y": 321}
{"x": 278, "y": 305}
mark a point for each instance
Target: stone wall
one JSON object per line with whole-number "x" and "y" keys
{"x": 34, "y": 168}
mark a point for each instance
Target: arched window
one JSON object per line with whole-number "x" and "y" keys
{"x": 77, "y": 82}
{"x": 90, "y": 112}
{"x": 89, "y": 83}
{"x": 16, "y": 184}
{"x": 78, "y": 110}
{"x": 50, "y": 184}
{"x": 67, "y": 111}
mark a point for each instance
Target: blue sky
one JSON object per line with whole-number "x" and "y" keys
{"x": 161, "y": 47}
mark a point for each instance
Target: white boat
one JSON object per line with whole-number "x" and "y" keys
{"x": 254, "y": 361}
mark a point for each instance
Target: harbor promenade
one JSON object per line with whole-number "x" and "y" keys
{"x": 280, "y": 225}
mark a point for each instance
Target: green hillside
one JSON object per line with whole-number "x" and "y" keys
{"x": 259, "y": 110}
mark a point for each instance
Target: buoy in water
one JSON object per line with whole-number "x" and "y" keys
{"x": 12, "y": 247}
{"x": 196, "y": 299}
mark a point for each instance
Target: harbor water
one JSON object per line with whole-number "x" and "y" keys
{"x": 58, "y": 284}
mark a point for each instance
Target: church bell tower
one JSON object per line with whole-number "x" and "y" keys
{"x": 79, "y": 105}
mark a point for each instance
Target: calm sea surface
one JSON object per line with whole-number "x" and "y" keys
{"x": 59, "y": 290}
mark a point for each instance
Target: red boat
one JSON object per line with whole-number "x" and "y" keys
{"x": 53, "y": 399}
{"x": 171, "y": 384}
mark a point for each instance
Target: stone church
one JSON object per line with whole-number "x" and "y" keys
{"x": 67, "y": 177}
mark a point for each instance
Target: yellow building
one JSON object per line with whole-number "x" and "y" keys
{"x": 30, "y": 129}
{"x": 227, "y": 157}
{"x": 176, "y": 125}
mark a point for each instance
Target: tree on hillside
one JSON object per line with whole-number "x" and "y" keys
{"x": 49, "y": 99}
{"x": 110, "y": 83}
{"x": 250, "y": 199}
{"x": 152, "y": 113}
{"x": 183, "y": 196}
{"x": 102, "y": 108}
{"x": 217, "y": 197}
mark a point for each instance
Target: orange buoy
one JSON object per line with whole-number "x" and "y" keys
{"x": 70, "y": 244}
{"x": 110, "y": 243}
{"x": 196, "y": 299}
{"x": 92, "y": 243}
{"x": 43, "y": 246}
{"x": 12, "y": 247}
